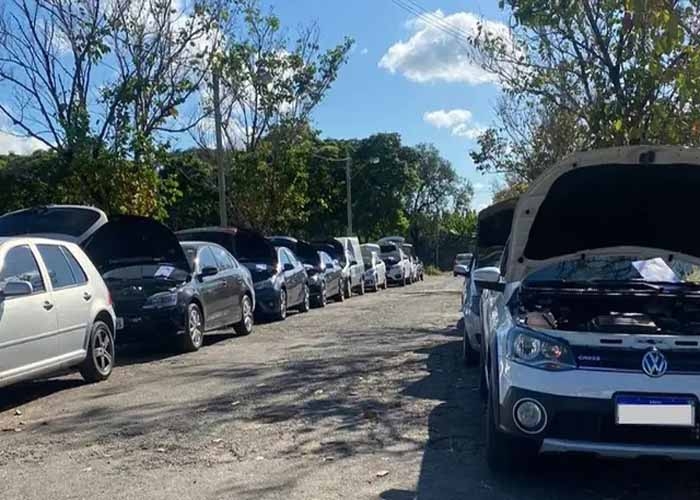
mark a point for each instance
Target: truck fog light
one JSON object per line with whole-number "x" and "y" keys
{"x": 530, "y": 416}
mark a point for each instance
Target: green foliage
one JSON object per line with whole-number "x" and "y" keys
{"x": 432, "y": 270}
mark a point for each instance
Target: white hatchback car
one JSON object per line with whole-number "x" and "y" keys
{"x": 55, "y": 312}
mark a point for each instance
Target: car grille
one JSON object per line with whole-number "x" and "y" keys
{"x": 679, "y": 361}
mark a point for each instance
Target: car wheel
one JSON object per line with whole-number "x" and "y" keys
{"x": 322, "y": 300}
{"x": 245, "y": 325}
{"x": 341, "y": 292}
{"x": 348, "y": 289}
{"x": 99, "y": 362}
{"x": 281, "y": 313}
{"x": 305, "y": 305}
{"x": 504, "y": 453}
{"x": 193, "y": 338}
{"x": 469, "y": 355}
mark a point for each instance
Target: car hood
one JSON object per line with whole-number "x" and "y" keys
{"x": 637, "y": 200}
{"x": 246, "y": 245}
{"x": 332, "y": 247}
{"x": 130, "y": 239}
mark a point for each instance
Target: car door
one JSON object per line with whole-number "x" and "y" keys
{"x": 71, "y": 296}
{"x": 332, "y": 273}
{"x": 28, "y": 323}
{"x": 294, "y": 278}
{"x": 212, "y": 289}
{"x": 233, "y": 291}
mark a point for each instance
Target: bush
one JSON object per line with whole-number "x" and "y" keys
{"x": 432, "y": 270}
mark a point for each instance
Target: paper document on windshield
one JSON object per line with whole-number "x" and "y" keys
{"x": 655, "y": 269}
{"x": 164, "y": 271}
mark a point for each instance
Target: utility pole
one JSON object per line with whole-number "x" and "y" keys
{"x": 348, "y": 188}
{"x": 223, "y": 215}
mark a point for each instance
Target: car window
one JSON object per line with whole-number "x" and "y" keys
{"x": 78, "y": 273}
{"x": 207, "y": 259}
{"x": 284, "y": 258}
{"x": 222, "y": 258}
{"x": 57, "y": 264}
{"x": 292, "y": 258}
{"x": 20, "y": 265}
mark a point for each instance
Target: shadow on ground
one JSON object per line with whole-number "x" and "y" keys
{"x": 454, "y": 465}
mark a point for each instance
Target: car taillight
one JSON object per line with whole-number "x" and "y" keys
{"x": 109, "y": 299}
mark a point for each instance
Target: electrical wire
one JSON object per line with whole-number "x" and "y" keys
{"x": 434, "y": 21}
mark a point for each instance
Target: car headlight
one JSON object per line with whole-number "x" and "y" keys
{"x": 540, "y": 351}
{"x": 161, "y": 300}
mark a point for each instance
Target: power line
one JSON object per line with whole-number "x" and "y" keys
{"x": 434, "y": 21}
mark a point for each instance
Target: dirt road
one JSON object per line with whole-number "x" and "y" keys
{"x": 366, "y": 399}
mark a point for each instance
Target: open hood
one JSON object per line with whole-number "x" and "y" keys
{"x": 246, "y": 245}
{"x": 130, "y": 239}
{"x": 332, "y": 247}
{"x": 636, "y": 201}
{"x": 74, "y": 223}
{"x": 304, "y": 251}
{"x": 492, "y": 231}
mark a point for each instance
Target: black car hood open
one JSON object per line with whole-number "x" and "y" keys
{"x": 332, "y": 247}
{"x": 304, "y": 251}
{"x": 129, "y": 239}
{"x": 493, "y": 228}
{"x": 244, "y": 244}
{"x": 637, "y": 201}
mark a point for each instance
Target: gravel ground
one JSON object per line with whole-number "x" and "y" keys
{"x": 366, "y": 399}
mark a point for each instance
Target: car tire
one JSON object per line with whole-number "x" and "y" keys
{"x": 281, "y": 313}
{"x": 322, "y": 300}
{"x": 245, "y": 325}
{"x": 504, "y": 453}
{"x": 193, "y": 338}
{"x": 341, "y": 293}
{"x": 305, "y": 305}
{"x": 347, "y": 289}
{"x": 99, "y": 363}
{"x": 470, "y": 356}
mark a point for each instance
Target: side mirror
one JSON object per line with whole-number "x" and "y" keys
{"x": 208, "y": 271}
{"x": 288, "y": 267}
{"x": 489, "y": 278}
{"x": 461, "y": 270}
{"x": 17, "y": 289}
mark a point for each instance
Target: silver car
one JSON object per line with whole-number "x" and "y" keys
{"x": 592, "y": 325}
{"x": 375, "y": 268}
{"x": 55, "y": 312}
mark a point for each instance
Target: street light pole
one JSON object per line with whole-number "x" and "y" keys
{"x": 223, "y": 215}
{"x": 348, "y": 189}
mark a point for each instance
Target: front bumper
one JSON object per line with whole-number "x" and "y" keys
{"x": 395, "y": 275}
{"x": 151, "y": 323}
{"x": 580, "y": 408}
{"x": 267, "y": 300}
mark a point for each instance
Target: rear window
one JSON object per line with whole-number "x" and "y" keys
{"x": 69, "y": 221}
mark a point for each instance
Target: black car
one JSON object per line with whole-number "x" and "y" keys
{"x": 160, "y": 287}
{"x": 280, "y": 280}
{"x": 325, "y": 275}
{"x": 336, "y": 250}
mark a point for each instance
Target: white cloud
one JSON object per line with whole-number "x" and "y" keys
{"x": 10, "y": 143}
{"x": 458, "y": 121}
{"x": 438, "y": 49}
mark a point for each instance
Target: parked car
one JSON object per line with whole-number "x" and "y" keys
{"x": 55, "y": 312}
{"x": 398, "y": 268}
{"x": 356, "y": 267}
{"x": 375, "y": 268}
{"x": 413, "y": 259}
{"x": 462, "y": 259}
{"x": 591, "y": 326}
{"x": 325, "y": 276}
{"x": 279, "y": 279}
{"x": 408, "y": 255}
{"x": 493, "y": 228}
{"x": 337, "y": 251}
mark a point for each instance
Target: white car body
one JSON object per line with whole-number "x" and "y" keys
{"x": 375, "y": 268}
{"x": 398, "y": 267}
{"x": 628, "y": 202}
{"x": 50, "y": 329}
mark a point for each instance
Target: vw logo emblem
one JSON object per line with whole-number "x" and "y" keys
{"x": 654, "y": 363}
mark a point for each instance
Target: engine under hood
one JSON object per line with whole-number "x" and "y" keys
{"x": 131, "y": 239}
{"x": 638, "y": 200}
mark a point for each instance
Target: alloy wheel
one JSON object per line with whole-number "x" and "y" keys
{"x": 103, "y": 350}
{"x": 247, "y": 314}
{"x": 195, "y": 327}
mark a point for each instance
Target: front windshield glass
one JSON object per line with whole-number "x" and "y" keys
{"x": 160, "y": 271}
{"x": 602, "y": 268}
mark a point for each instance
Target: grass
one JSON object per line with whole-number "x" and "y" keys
{"x": 432, "y": 270}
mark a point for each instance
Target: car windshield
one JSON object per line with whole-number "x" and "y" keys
{"x": 160, "y": 271}
{"x": 619, "y": 269}
{"x": 490, "y": 257}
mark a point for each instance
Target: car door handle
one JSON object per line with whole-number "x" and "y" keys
{"x": 48, "y": 305}
{"x": 87, "y": 296}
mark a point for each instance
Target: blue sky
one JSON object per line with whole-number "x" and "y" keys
{"x": 429, "y": 75}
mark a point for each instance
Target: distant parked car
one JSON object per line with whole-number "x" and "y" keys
{"x": 324, "y": 274}
{"x": 279, "y": 278}
{"x": 356, "y": 267}
{"x": 408, "y": 254}
{"x": 375, "y": 268}
{"x": 462, "y": 259}
{"x": 338, "y": 253}
{"x": 493, "y": 228}
{"x": 55, "y": 312}
{"x": 398, "y": 267}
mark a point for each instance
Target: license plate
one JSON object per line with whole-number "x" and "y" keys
{"x": 120, "y": 323}
{"x": 655, "y": 410}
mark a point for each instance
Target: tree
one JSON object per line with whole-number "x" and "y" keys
{"x": 267, "y": 80}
